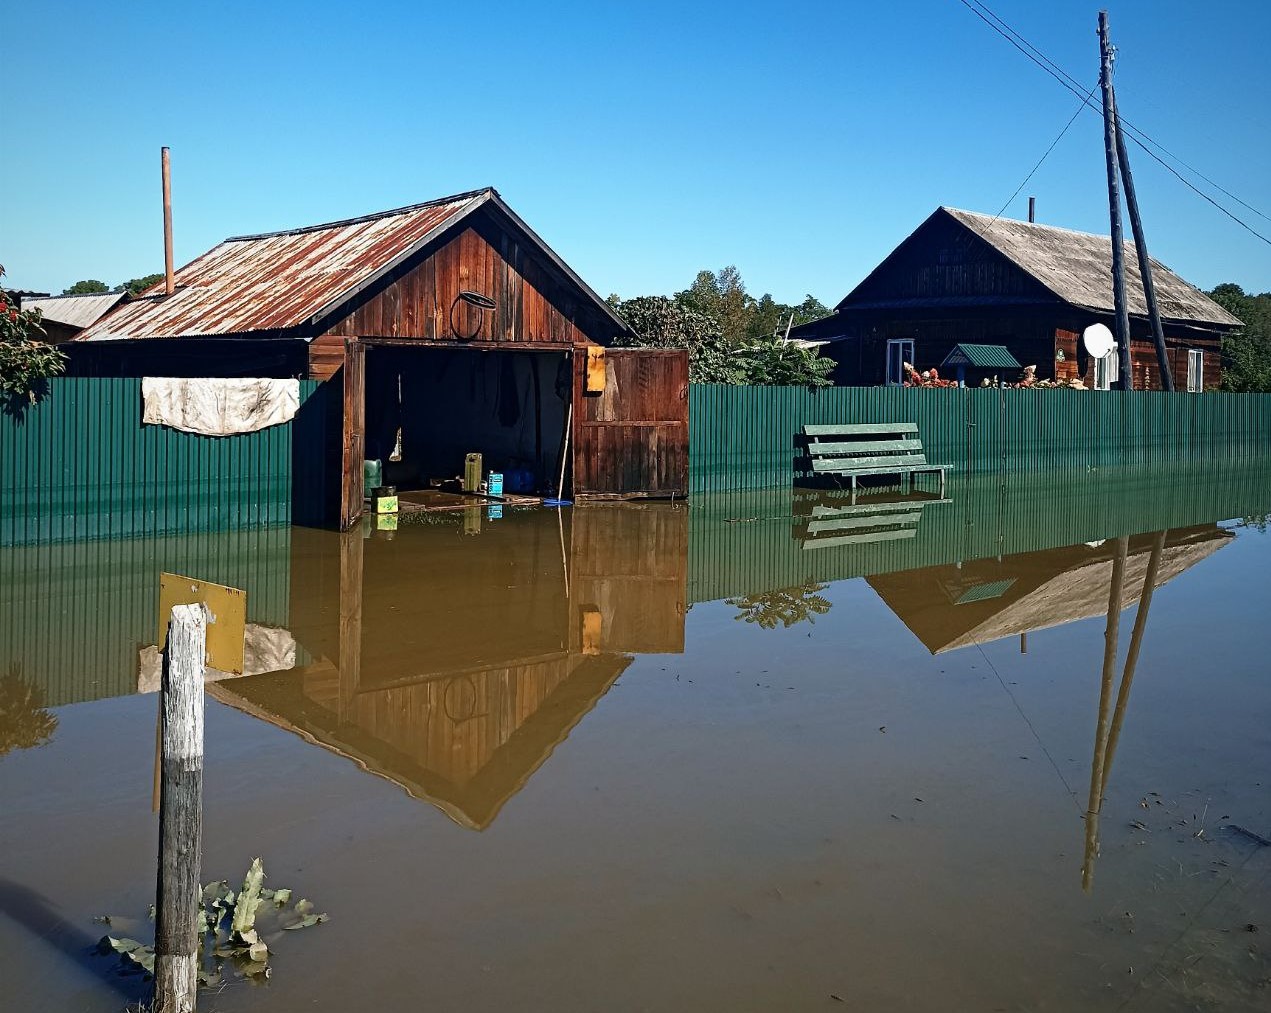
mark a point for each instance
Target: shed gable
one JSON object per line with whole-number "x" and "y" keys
{"x": 533, "y": 303}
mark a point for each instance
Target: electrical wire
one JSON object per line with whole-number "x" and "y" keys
{"x": 1034, "y": 169}
{"x": 1138, "y": 136}
{"x": 1141, "y": 136}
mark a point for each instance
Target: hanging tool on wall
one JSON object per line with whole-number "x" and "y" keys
{"x": 396, "y": 455}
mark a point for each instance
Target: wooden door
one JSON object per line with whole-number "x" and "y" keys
{"x": 631, "y": 439}
{"x": 354, "y": 449}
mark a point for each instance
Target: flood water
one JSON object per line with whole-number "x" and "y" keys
{"x": 771, "y": 751}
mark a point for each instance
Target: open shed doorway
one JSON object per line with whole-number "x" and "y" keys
{"x": 427, "y": 408}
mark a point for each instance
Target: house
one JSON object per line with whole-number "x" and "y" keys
{"x": 968, "y": 278}
{"x": 950, "y": 606}
{"x": 442, "y": 328}
{"x": 66, "y": 316}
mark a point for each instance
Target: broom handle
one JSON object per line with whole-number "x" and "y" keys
{"x": 564, "y": 456}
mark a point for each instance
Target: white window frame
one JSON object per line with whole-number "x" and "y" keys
{"x": 1195, "y": 371}
{"x": 1107, "y": 370}
{"x": 901, "y": 359}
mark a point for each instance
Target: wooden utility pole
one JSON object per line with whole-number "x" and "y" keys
{"x": 169, "y": 278}
{"x": 1097, "y": 780}
{"x": 177, "y": 909}
{"x": 1122, "y": 314}
{"x": 1140, "y": 247}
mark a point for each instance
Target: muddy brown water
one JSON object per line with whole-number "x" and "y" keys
{"x": 672, "y": 757}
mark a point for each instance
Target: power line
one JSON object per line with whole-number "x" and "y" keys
{"x": 1045, "y": 154}
{"x": 1143, "y": 136}
{"x": 1138, "y": 136}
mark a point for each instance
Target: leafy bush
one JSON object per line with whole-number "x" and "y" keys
{"x": 25, "y": 362}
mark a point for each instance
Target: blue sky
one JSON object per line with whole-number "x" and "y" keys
{"x": 799, "y": 141}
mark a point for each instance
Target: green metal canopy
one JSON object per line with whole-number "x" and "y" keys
{"x": 980, "y": 356}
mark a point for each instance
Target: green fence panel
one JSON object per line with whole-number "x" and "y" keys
{"x": 81, "y": 465}
{"x": 743, "y": 437}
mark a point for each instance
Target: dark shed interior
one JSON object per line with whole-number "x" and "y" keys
{"x": 427, "y": 408}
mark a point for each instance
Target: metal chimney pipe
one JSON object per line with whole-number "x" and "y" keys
{"x": 1032, "y": 210}
{"x": 169, "y": 278}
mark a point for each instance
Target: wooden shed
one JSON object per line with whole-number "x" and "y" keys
{"x": 968, "y": 278}
{"x": 443, "y": 328}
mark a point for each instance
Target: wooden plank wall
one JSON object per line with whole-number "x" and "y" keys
{"x": 531, "y": 305}
{"x": 1147, "y": 374}
{"x": 632, "y": 439}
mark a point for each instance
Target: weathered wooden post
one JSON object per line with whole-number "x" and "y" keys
{"x": 180, "y": 813}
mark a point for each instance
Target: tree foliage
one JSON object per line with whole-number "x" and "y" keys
{"x": 784, "y": 606}
{"x": 26, "y": 363}
{"x": 135, "y": 286}
{"x": 1246, "y": 353}
{"x": 659, "y": 322}
{"x": 24, "y": 722}
{"x": 731, "y": 336}
{"x": 90, "y": 286}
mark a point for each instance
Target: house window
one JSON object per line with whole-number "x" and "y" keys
{"x": 1107, "y": 371}
{"x": 899, "y": 351}
{"x": 1195, "y": 371}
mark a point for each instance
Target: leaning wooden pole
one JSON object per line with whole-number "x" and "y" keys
{"x": 180, "y": 813}
{"x": 1122, "y": 314}
{"x": 1132, "y": 658}
{"x": 1140, "y": 248}
{"x": 1110, "y": 634}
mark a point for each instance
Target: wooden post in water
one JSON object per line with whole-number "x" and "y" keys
{"x": 180, "y": 813}
{"x": 1140, "y": 248}
{"x": 1122, "y": 314}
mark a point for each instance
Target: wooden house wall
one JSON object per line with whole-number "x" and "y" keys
{"x": 1147, "y": 374}
{"x": 944, "y": 261}
{"x": 532, "y": 305}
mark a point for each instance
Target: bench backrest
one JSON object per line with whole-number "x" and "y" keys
{"x": 848, "y": 448}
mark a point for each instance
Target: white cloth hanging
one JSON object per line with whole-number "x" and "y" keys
{"x": 218, "y": 406}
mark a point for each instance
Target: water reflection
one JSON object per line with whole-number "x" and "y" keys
{"x": 453, "y": 662}
{"x": 24, "y": 721}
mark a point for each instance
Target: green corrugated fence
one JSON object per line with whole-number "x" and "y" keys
{"x": 75, "y": 616}
{"x": 748, "y": 542}
{"x": 80, "y": 464}
{"x": 743, "y": 437}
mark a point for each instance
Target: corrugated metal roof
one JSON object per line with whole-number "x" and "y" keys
{"x": 1077, "y": 267}
{"x": 75, "y": 310}
{"x": 282, "y": 280}
{"x": 981, "y": 356}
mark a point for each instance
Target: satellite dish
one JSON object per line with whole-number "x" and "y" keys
{"x": 1098, "y": 340}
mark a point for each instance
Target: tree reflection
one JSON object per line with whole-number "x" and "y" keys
{"x": 24, "y": 723}
{"x": 785, "y": 606}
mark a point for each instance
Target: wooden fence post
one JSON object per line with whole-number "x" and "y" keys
{"x": 180, "y": 813}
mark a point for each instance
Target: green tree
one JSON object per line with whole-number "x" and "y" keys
{"x": 1247, "y": 352}
{"x": 89, "y": 287}
{"x": 722, "y": 296}
{"x": 659, "y": 322}
{"x": 776, "y": 362}
{"x": 135, "y": 286}
{"x": 26, "y": 362}
{"x": 24, "y": 723}
{"x": 786, "y": 606}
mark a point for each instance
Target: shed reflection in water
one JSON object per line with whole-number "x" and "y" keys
{"x": 452, "y": 661}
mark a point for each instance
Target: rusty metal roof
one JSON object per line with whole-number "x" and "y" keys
{"x": 277, "y": 281}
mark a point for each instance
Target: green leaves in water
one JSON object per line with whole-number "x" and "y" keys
{"x": 785, "y": 606}
{"x": 230, "y": 930}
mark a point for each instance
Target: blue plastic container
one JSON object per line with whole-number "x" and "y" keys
{"x": 494, "y": 483}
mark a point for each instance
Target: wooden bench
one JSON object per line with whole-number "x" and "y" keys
{"x": 830, "y": 521}
{"x": 853, "y": 451}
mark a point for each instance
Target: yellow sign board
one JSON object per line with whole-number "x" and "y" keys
{"x": 226, "y": 617}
